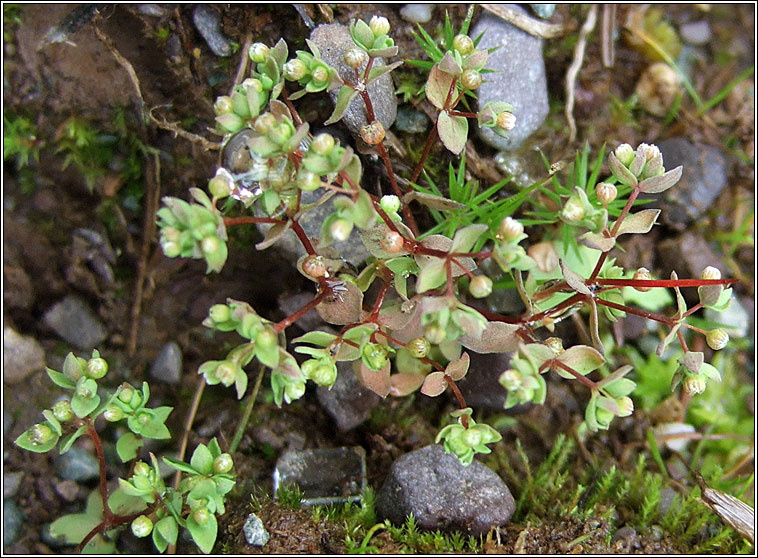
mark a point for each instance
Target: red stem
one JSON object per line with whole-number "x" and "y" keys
{"x": 604, "y": 255}
{"x": 303, "y": 237}
{"x": 583, "y": 379}
{"x": 420, "y": 165}
{"x": 662, "y": 282}
{"x": 107, "y": 513}
{"x": 463, "y": 114}
{"x": 459, "y": 397}
{"x": 289, "y": 320}
{"x": 636, "y": 311}
{"x": 232, "y": 221}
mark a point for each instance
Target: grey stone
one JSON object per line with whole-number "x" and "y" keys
{"x": 255, "y": 532}
{"x": 333, "y": 40}
{"x": 410, "y": 120}
{"x": 544, "y": 11}
{"x": 443, "y": 494}
{"x": 22, "y": 355}
{"x": 735, "y": 318}
{"x": 325, "y": 476}
{"x": 348, "y": 402}
{"x": 519, "y": 78}
{"x": 703, "y": 178}
{"x": 7, "y": 422}
{"x": 73, "y": 320}
{"x": 77, "y": 465}
{"x": 480, "y": 386}
{"x": 11, "y": 482}
{"x": 696, "y": 32}
{"x": 688, "y": 254}
{"x": 168, "y": 365}
{"x": 417, "y": 13}
{"x": 208, "y": 24}
{"x": 67, "y": 489}
{"x": 13, "y": 520}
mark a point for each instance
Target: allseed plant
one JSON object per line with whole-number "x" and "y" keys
{"x": 417, "y": 332}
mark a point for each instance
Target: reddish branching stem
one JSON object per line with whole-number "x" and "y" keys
{"x": 289, "y": 320}
{"x": 459, "y": 397}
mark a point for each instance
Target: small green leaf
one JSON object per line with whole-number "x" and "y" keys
{"x": 202, "y": 460}
{"x": 449, "y": 65}
{"x": 203, "y": 535}
{"x": 453, "y": 131}
{"x": 344, "y": 98}
{"x": 620, "y": 171}
{"x": 710, "y": 372}
{"x": 122, "y": 503}
{"x": 72, "y": 528}
{"x": 431, "y": 201}
{"x": 661, "y": 183}
{"x": 128, "y": 446}
{"x": 60, "y": 379}
{"x": 240, "y": 382}
{"x": 437, "y": 86}
{"x": 24, "y": 442}
{"x": 168, "y": 529}
{"x": 68, "y": 441}
{"x": 431, "y": 275}
{"x": 181, "y": 466}
{"x": 581, "y": 358}
{"x": 84, "y": 406}
{"x": 320, "y": 338}
{"x": 377, "y": 71}
{"x": 620, "y": 388}
{"x": 465, "y": 238}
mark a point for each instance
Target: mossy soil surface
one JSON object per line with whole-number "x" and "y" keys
{"x": 114, "y": 194}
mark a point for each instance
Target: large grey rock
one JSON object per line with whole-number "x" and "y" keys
{"x": 703, "y": 178}
{"x": 443, "y": 494}
{"x": 520, "y": 78}
{"x": 73, "y": 320}
{"x": 333, "y": 40}
{"x": 22, "y": 355}
{"x": 168, "y": 365}
{"x": 348, "y": 402}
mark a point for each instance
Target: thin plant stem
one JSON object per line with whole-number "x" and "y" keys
{"x": 107, "y": 513}
{"x": 191, "y": 414}
{"x": 459, "y": 397}
{"x": 242, "y": 426}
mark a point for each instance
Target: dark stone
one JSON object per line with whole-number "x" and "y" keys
{"x": 73, "y": 320}
{"x": 688, "y": 254}
{"x": 13, "y": 520}
{"x": 77, "y": 465}
{"x": 480, "y": 386}
{"x": 703, "y": 178}
{"x": 208, "y": 23}
{"x": 443, "y": 494}
{"x": 168, "y": 365}
{"x": 348, "y": 402}
{"x": 22, "y": 355}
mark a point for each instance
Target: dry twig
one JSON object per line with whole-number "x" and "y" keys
{"x": 573, "y": 71}
{"x": 526, "y": 23}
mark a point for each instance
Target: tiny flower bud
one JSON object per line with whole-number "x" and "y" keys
{"x": 555, "y": 344}
{"x": 226, "y": 372}
{"x": 264, "y": 123}
{"x": 324, "y": 375}
{"x": 390, "y": 203}
{"x": 355, "y": 57}
{"x": 375, "y": 355}
{"x": 506, "y": 121}
{"x": 717, "y": 339}
{"x": 480, "y": 286}
{"x": 125, "y": 393}
{"x": 210, "y": 245}
{"x": 340, "y": 229}
{"x": 322, "y": 144}
{"x": 201, "y": 516}
{"x": 220, "y": 186}
{"x": 295, "y": 70}
{"x": 434, "y": 334}
{"x": 294, "y": 391}
{"x": 40, "y": 434}
{"x": 113, "y": 413}
{"x": 510, "y": 229}
{"x": 510, "y": 379}
{"x": 223, "y": 105}
{"x": 373, "y": 134}
{"x": 392, "y": 242}
{"x": 471, "y": 79}
{"x": 258, "y": 52}
{"x": 142, "y": 526}
{"x": 463, "y": 44}
{"x": 97, "y": 368}
{"x": 320, "y": 74}
{"x": 418, "y": 347}
{"x": 694, "y": 385}
{"x": 223, "y": 464}
{"x": 314, "y": 266}
{"x": 642, "y": 274}
{"x": 280, "y": 134}
{"x": 472, "y": 437}
{"x": 308, "y": 181}
{"x": 84, "y": 391}
{"x": 379, "y": 25}
{"x": 573, "y": 211}
{"x": 625, "y": 154}
{"x": 141, "y": 469}
{"x": 625, "y": 405}
{"x": 605, "y": 192}
{"x": 144, "y": 418}
{"x": 220, "y": 313}
{"x": 62, "y": 410}
{"x": 710, "y": 272}
{"x": 267, "y": 338}
{"x": 253, "y": 83}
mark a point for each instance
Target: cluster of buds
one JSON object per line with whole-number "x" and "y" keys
{"x": 325, "y": 158}
{"x": 373, "y": 37}
{"x": 602, "y": 409}
{"x": 310, "y": 71}
{"x": 465, "y": 442}
{"x": 375, "y": 355}
{"x": 235, "y": 112}
{"x": 694, "y": 373}
{"x": 193, "y": 230}
{"x": 523, "y": 381}
{"x": 322, "y": 371}
{"x": 498, "y": 117}
{"x": 450, "y": 320}
{"x": 642, "y": 168}
{"x": 507, "y": 252}
{"x": 578, "y": 211}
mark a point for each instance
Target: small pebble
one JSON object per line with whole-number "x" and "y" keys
{"x": 696, "y": 32}
{"x": 417, "y": 13}
{"x": 22, "y": 355}
{"x": 73, "y": 320}
{"x": 67, "y": 489}
{"x": 255, "y": 532}
{"x": 11, "y": 482}
{"x": 153, "y": 10}
{"x": 77, "y": 465}
{"x": 167, "y": 367}
{"x": 13, "y": 519}
{"x": 207, "y": 22}
{"x": 411, "y": 121}
{"x": 544, "y": 11}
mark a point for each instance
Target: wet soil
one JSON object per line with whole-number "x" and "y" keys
{"x": 179, "y": 78}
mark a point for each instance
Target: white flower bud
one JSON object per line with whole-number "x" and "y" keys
{"x": 480, "y": 286}
{"x": 142, "y": 526}
{"x": 355, "y": 57}
{"x": 710, "y": 272}
{"x": 373, "y": 134}
{"x": 379, "y": 26}
{"x": 573, "y": 211}
{"x": 390, "y": 203}
{"x": 223, "y": 105}
{"x": 694, "y": 385}
{"x": 510, "y": 229}
{"x": 642, "y": 274}
{"x": 717, "y": 339}
{"x": 258, "y": 52}
{"x": 463, "y": 44}
{"x": 471, "y": 79}
{"x": 340, "y": 229}
{"x": 625, "y": 405}
{"x": 322, "y": 144}
{"x": 605, "y": 192}
{"x": 295, "y": 70}
{"x": 625, "y": 154}
{"x": 506, "y": 121}
{"x": 320, "y": 74}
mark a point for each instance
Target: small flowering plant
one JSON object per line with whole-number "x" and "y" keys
{"x": 416, "y": 332}
{"x": 142, "y": 499}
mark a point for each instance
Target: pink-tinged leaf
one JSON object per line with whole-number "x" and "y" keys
{"x": 434, "y": 384}
{"x": 661, "y": 183}
{"x": 667, "y": 340}
{"x": 449, "y": 65}
{"x": 404, "y": 384}
{"x": 431, "y": 201}
{"x": 537, "y": 353}
{"x": 437, "y": 86}
{"x": 476, "y": 60}
{"x": 620, "y": 171}
{"x": 709, "y": 294}
{"x": 597, "y": 241}
{"x": 377, "y": 381}
{"x": 431, "y": 276}
{"x": 692, "y": 361}
{"x": 378, "y": 71}
{"x": 344, "y": 98}
{"x": 594, "y": 334}
{"x": 387, "y": 52}
{"x": 279, "y": 109}
{"x": 413, "y": 328}
{"x": 574, "y": 280}
{"x": 458, "y": 368}
{"x": 273, "y": 234}
{"x": 372, "y": 239}
{"x": 639, "y": 223}
{"x": 497, "y": 337}
{"x": 582, "y": 359}
{"x": 343, "y": 306}
{"x": 465, "y": 238}
{"x": 453, "y": 131}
